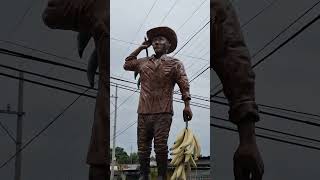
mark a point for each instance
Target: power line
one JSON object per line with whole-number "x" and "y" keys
{"x": 288, "y": 40}
{"x": 145, "y": 19}
{"x": 199, "y": 74}
{"x": 42, "y": 60}
{"x": 29, "y": 57}
{"x": 267, "y": 137}
{"x": 13, "y": 30}
{"x": 245, "y": 24}
{"x": 46, "y": 77}
{"x": 46, "y": 85}
{"x": 175, "y": 100}
{"x": 280, "y": 46}
{"x": 128, "y": 42}
{"x": 273, "y": 131}
{"x": 124, "y": 101}
{"x": 259, "y": 13}
{"x": 280, "y": 108}
{"x": 197, "y": 40}
{"x": 191, "y": 38}
{"x": 130, "y": 89}
{"x": 44, "y": 52}
{"x": 262, "y": 105}
{"x": 167, "y": 14}
{"x": 277, "y": 115}
{"x": 192, "y": 14}
{"x": 278, "y": 35}
{"x": 263, "y": 112}
{"x": 286, "y": 28}
{"x": 7, "y": 132}
{"x": 42, "y": 130}
{"x": 58, "y": 80}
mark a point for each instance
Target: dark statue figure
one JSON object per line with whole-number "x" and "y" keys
{"x": 232, "y": 63}
{"x": 158, "y": 75}
{"x": 90, "y": 19}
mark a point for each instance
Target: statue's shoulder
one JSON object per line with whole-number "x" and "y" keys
{"x": 173, "y": 59}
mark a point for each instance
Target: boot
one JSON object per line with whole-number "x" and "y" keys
{"x": 144, "y": 169}
{"x": 162, "y": 164}
{"x": 98, "y": 172}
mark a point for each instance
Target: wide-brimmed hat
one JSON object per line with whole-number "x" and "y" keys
{"x": 166, "y": 32}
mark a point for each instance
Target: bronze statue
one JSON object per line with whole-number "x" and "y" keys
{"x": 231, "y": 61}
{"x": 90, "y": 19}
{"x": 158, "y": 75}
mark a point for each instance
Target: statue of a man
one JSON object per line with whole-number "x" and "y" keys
{"x": 232, "y": 63}
{"x": 158, "y": 74}
{"x": 90, "y": 17}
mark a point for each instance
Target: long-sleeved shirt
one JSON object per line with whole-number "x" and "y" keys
{"x": 158, "y": 78}
{"x": 232, "y": 62}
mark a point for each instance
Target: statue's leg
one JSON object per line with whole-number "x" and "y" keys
{"x": 145, "y": 136}
{"x": 161, "y": 133}
{"x": 98, "y": 154}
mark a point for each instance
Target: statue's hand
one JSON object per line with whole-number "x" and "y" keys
{"x": 187, "y": 113}
{"x": 145, "y": 45}
{"x": 247, "y": 162}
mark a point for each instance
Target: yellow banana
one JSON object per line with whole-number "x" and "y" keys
{"x": 183, "y": 174}
{"x": 196, "y": 149}
{"x": 177, "y": 151}
{"x": 185, "y": 138}
{"x": 174, "y": 175}
{"x": 179, "y": 160}
{"x": 179, "y": 139}
{"x": 190, "y": 148}
{"x": 188, "y": 140}
{"x": 197, "y": 143}
{"x": 174, "y": 159}
{"x": 187, "y": 158}
{"x": 193, "y": 163}
{"x": 179, "y": 170}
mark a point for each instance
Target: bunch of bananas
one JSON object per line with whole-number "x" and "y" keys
{"x": 185, "y": 151}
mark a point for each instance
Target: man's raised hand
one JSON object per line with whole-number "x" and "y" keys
{"x": 145, "y": 45}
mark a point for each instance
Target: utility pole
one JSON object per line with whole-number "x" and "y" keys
{"x": 131, "y": 153}
{"x": 19, "y": 129}
{"x": 114, "y": 135}
{"x": 19, "y": 113}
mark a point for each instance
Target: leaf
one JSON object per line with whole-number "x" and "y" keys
{"x": 82, "y": 40}
{"x": 92, "y": 67}
{"x": 138, "y": 83}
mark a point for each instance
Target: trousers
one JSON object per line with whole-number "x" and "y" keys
{"x": 157, "y": 127}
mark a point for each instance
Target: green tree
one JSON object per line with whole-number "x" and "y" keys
{"x": 121, "y": 155}
{"x": 134, "y": 158}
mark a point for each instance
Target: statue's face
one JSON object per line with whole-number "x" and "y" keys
{"x": 160, "y": 45}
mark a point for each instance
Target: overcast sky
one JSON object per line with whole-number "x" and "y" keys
{"x": 288, "y": 79}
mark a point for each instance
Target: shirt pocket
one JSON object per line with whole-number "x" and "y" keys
{"x": 167, "y": 70}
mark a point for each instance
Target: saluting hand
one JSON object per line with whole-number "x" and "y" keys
{"x": 145, "y": 45}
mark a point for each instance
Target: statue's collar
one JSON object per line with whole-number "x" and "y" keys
{"x": 163, "y": 57}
